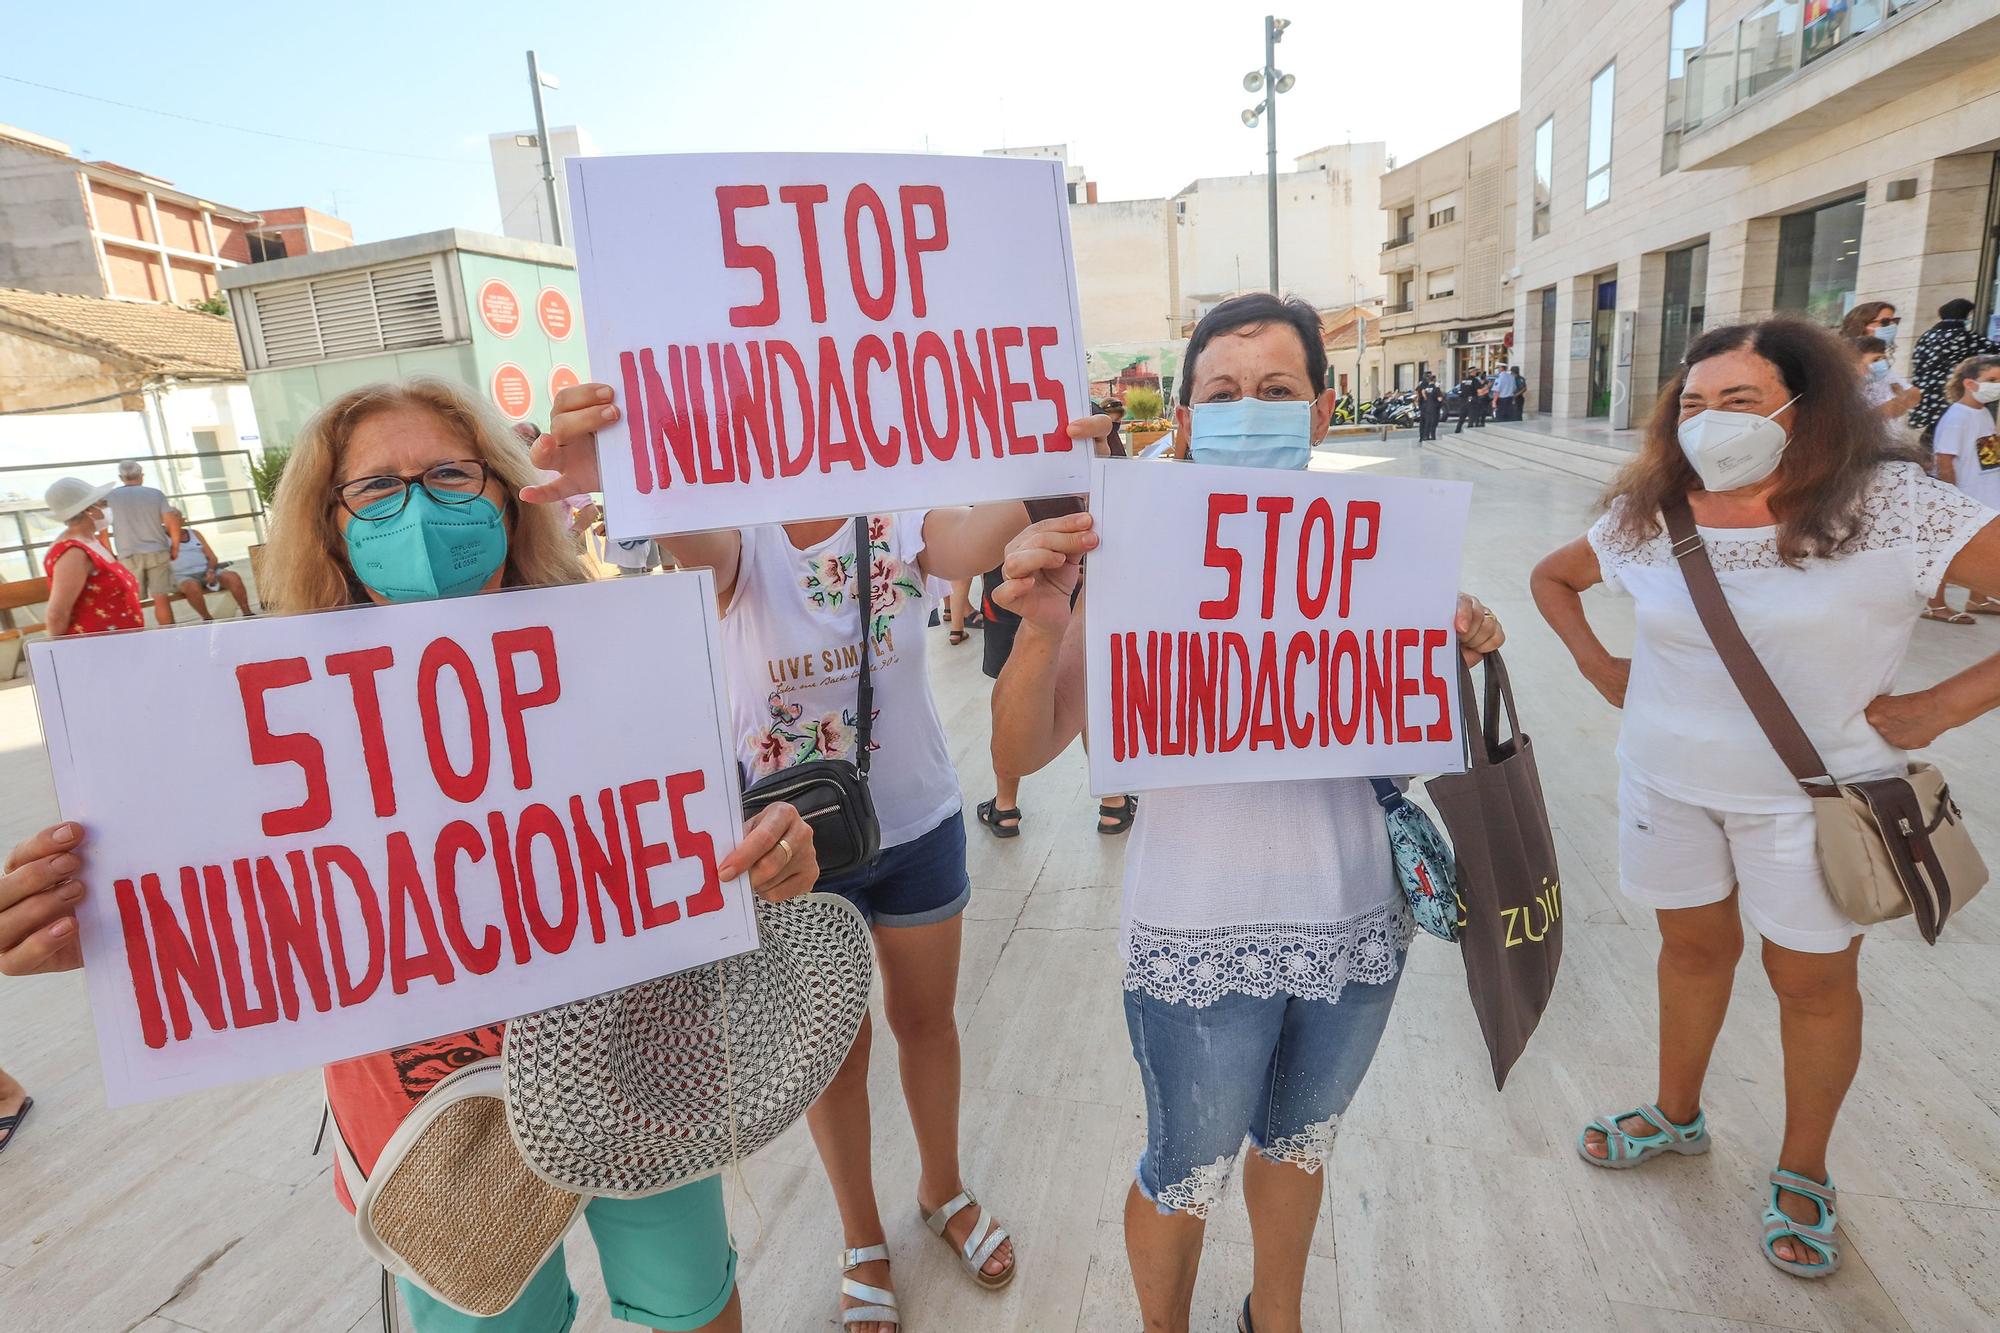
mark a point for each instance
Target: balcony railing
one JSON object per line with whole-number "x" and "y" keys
{"x": 1395, "y": 242}
{"x": 1402, "y": 308}
{"x": 1768, "y": 45}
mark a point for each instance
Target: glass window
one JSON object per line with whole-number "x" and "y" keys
{"x": 1683, "y": 308}
{"x": 1687, "y": 28}
{"x": 1406, "y": 375}
{"x": 1767, "y": 42}
{"x": 1444, "y": 209}
{"x": 1440, "y": 283}
{"x": 1819, "y": 254}
{"x": 1597, "y": 181}
{"x": 1545, "y": 171}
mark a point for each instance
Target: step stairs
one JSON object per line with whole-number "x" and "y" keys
{"x": 1503, "y": 446}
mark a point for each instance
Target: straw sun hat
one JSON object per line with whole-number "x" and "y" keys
{"x": 69, "y": 496}
{"x": 662, "y": 1083}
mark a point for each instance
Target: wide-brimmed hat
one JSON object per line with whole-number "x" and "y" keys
{"x": 69, "y": 496}
{"x": 662, "y": 1083}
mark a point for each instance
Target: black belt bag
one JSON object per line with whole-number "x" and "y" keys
{"x": 832, "y": 795}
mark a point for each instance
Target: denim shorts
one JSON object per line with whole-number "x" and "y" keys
{"x": 1277, "y": 1068}
{"x": 918, "y": 883}
{"x": 666, "y": 1259}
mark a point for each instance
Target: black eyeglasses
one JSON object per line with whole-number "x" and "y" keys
{"x": 452, "y": 483}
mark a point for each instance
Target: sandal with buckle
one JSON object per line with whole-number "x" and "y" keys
{"x": 995, "y": 819}
{"x": 979, "y": 1246}
{"x": 1120, "y": 815}
{"x": 882, "y": 1302}
{"x": 1623, "y": 1150}
{"x": 1817, "y": 1237}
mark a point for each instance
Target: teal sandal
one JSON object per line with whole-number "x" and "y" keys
{"x": 1817, "y": 1237}
{"x": 1623, "y": 1150}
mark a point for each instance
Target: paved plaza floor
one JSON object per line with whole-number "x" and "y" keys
{"x": 1448, "y": 1206}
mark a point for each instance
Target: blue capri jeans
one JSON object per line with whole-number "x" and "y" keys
{"x": 1277, "y": 1069}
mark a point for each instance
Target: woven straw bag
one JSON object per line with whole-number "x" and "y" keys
{"x": 452, "y": 1207}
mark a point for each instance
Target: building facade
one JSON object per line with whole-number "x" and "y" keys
{"x": 1691, "y": 163}
{"x": 1448, "y": 259}
{"x": 501, "y": 316}
{"x": 283, "y": 233}
{"x": 520, "y": 188}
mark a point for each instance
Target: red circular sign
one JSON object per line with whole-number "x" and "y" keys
{"x": 499, "y": 307}
{"x": 562, "y": 377}
{"x": 512, "y": 392}
{"x": 552, "y": 308}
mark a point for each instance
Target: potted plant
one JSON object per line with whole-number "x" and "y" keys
{"x": 1145, "y": 417}
{"x": 265, "y": 471}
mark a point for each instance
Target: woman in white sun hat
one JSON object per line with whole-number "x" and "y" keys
{"x": 89, "y": 590}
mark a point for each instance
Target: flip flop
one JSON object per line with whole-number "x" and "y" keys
{"x": 1983, "y": 606}
{"x": 1944, "y": 615}
{"x": 958, "y": 636}
{"x": 9, "y": 1124}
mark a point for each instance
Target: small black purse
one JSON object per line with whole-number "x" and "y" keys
{"x": 832, "y": 795}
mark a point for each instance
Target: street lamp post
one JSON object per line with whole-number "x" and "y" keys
{"x": 537, "y": 81}
{"x": 1271, "y": 78}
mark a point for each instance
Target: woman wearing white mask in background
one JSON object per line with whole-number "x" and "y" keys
{"x": 1967, "y": 452}
{"x": 1264, "y": 927}
{"x": 1826, "y": 545}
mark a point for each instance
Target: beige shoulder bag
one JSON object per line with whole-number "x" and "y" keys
{"x": 1888, "y": 847}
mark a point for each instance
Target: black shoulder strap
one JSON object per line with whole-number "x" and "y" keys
{"x": 864, "y": 723}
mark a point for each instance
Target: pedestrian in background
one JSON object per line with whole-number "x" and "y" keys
{"x": 1520, "y": 394}
{"x": 1967, "y": 449}
{"x": 146, "y": 536}
{"x": 1826, "y": 545}
{"x": 1878, "y": 387}
{"x": 1872, "y": 319}
{"x": 1504, "y": 385}
{"x": 1112, "y": 445}
{"x": 197, "y": 572}
{"x": 1430, "y": 408}
{"x": 89, "y": 590}
{"x": 1941, "y": 348}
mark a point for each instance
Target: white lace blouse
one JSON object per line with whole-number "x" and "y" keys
{"x": 1832, "y": 633}
{"x": 1260, "y": 888}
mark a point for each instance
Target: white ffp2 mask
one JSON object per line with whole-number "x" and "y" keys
{"x": 1731, "y": 450}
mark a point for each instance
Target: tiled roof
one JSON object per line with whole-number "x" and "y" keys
{"x": 153, "y": 339}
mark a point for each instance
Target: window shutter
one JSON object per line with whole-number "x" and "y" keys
{"x": 349, "y": 314}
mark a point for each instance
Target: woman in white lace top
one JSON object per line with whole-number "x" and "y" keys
{"x": 1264, "y": 930}
{"x": 1826, "y": 546}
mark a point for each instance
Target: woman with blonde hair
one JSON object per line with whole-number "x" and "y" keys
{"x": 398, "y": 493}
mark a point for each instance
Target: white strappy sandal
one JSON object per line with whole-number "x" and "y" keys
{"x": 986, "y": 1237}
{"x": 882, "y": 1309}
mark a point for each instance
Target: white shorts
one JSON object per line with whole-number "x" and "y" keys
{"x": 1673, "y": 855}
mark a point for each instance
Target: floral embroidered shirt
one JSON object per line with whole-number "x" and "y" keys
{"x": 794, "y": 640}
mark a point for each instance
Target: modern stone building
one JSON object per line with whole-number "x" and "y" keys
{"x": 1689, "y": 164}
{"x": 1448, "y": 260}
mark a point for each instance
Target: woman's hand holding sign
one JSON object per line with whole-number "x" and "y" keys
{"x": 38, "y": 896}
{"x": 777, "y": 850}
{"x": 1479, "y": 631}
{"x": 570, "y": 448}
{"x": 1042, "y": 566}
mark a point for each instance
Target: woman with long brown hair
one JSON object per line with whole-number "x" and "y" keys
{"x": 1871, "y": 319}
{"x": 1827, "y": 544}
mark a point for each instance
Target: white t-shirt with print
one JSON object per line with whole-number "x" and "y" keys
{"x": 792, "y": 639}
{"x": 1967, "y": 434}
{"x": 1831, "y": 633}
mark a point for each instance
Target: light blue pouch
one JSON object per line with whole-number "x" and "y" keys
{"x": 1424, "y": 864}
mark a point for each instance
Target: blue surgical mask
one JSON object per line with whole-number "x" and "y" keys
{"x": 1252, "y": 432}
{"x": 1887, "y": 333}
{"x": 1878, "y": 370}
{"x": 430, "y": 549}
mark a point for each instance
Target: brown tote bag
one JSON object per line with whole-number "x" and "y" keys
{"x": 1888, "y": 847}
{"x": 1510, "y": 891}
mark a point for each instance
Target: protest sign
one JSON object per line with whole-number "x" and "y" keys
{"x": 1254, "y": 625}
{"x": 800, "y": 336}
{"x": 323, "y": 836}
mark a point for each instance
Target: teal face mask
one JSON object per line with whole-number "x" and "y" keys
{"x": 430, "y": 549}
{"x": 1252, "y": 432}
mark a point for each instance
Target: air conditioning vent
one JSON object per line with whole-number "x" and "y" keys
{"x": 347, "y": 314}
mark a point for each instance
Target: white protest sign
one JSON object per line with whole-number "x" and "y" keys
{"x": 323, "y": 836}
{"x": 1254, "y": 625}
{"x": 796, "y": 336}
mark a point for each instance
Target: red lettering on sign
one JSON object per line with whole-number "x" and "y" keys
{"x": 253, "y": 681}
{"x": 410, "y": 902}
{"x": 139, "y": 958}
{"x": 538, "y": 821}
{"x": 875, "y": 305}
{"x": 1434, "y": 685}
{"x": 916, "y": 247}
{"x": 645, "y": 855}
{"x": 869, "y": 350}
{"x": 606, "y": 874}
{"x": 833, "y": 397}
{"x": 539, "y": 641}
{"x": 459, "y": 838}
{"x": 347, "y": 989}
{"x": 440, "y": 656}
{"x": 757, "y": 258}
{"x": 1312, "y": 600}
{"x": 805, "y": 200}
{"x": 1352, "y": 550}
{"x": 1225, "y": 558}
{"x": 1040, "y": 340}
{"x": 294, "y": 931}
{"x": 360, "y": 667}
{"x": 1273, "y": 508}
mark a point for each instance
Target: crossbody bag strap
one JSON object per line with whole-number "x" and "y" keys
{"x": 864, "y": 722}
{"x": 1780, "y": 726}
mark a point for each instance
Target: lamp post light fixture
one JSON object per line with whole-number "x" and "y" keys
{"x": 1277, "y": 81}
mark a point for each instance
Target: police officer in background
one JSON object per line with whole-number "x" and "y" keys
{"x": 1430, "y": 407}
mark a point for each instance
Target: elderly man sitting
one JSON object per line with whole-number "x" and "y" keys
{"x": 198, "y": 573}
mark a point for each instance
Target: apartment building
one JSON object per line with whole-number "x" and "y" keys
{"x": 1689, "y": 163}
{"x": 110, "y": 231}
{"x": 1448, "y": 261}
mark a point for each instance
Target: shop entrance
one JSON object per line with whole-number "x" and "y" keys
{"x": 1603, "y": 328}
